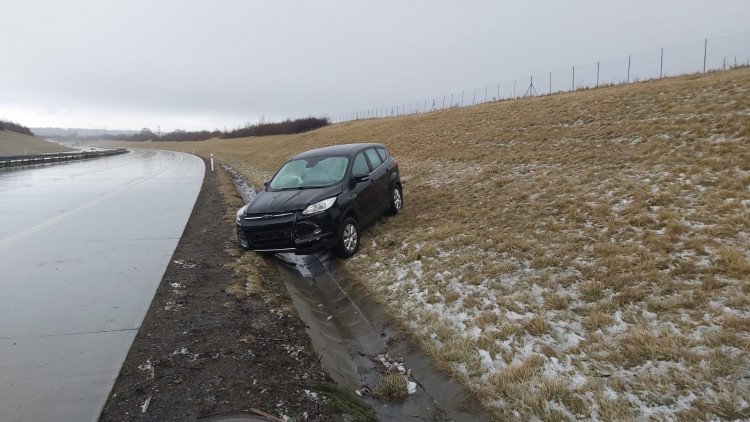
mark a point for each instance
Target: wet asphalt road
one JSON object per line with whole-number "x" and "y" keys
{"x": 83, "y": 247}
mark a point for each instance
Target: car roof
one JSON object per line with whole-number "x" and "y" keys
{"x": 336, "y": 150}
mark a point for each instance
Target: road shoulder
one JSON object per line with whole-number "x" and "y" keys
{"x": 221, "y": 336}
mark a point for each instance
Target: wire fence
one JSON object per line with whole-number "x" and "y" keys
{"x": 707, "y": 55}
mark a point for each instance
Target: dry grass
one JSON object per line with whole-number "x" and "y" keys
{"x": 391, "y": 387}
{"x": 548, "y": 241}
{"x": 12, "y": 143}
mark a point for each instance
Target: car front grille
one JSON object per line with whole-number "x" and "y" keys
{"x": 267, "y": 216}
{"x": 271, "y": 236}
{"x": 270, "y": 239}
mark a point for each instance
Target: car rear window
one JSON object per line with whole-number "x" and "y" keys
{"x": 375, "y": 159}
{"x": 381, "y": 153}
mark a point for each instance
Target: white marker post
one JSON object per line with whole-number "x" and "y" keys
{"x": 212, "y": 162}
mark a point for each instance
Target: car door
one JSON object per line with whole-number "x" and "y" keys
{"x": 364, "y": 193}
{"x": 380, "y": 177}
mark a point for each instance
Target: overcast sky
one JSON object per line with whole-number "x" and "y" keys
{"x": 200, "y": 64}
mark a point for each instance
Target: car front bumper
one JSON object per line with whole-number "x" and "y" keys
{"x": 292, "y": 232}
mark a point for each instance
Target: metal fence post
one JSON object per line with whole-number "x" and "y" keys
{"x": 573, "y": 86}
{"x": 705, "y": 52}
{"x": 597, "y": 74}
{"x": 628, "y": 68}
{"x": 661, "y": 65}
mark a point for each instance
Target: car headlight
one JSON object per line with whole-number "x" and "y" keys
{"x": 239, "y": 214}
{"x": 319, "y": 206}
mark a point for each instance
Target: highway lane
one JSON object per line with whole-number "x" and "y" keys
{"x": 83, "y": 247}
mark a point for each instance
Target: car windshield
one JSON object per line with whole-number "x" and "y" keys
{"x": 311, "y": 172}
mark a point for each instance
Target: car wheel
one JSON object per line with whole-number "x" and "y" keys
{"x": 348, "y": 238}
{"x": 397, "y": 200}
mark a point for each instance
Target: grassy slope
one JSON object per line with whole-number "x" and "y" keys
{"x": 578, "y": 254}
{"x": 12, "y": 143}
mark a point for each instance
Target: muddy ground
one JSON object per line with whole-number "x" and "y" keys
{"x": 204, "y": 350}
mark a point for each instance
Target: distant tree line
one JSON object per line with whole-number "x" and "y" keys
{"x": 287, "y": 127}
{"x": 178, "y": 135}
{"x": 15, "y": 127}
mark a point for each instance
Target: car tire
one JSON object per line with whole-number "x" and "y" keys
{"x": 397, "y": 200}
{"x": 348, "y": 238}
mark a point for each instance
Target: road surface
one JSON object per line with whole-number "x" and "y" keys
{"x": 83, "y": 247}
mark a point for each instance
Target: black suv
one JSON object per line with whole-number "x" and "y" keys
{"x": 320, "y": 199}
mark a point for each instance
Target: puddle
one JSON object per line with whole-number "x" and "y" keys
{"x": 356, "y": 341}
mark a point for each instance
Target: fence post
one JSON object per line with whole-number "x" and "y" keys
{"x": 661, "y": 65}
{"x": 628, "y": 68}
{"x": 597, "y": 74}
{"x": 705, "y": 51}
{"x": 550, "y": 83}
{"x": 514, "y": 88}
{"x": 573, "y": 87}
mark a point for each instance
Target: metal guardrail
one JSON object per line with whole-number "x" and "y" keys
{"x": 32, "y": 159}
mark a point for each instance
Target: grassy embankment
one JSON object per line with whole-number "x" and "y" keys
{"x": 580, "y": 254}
{"x": 12, "y": 143}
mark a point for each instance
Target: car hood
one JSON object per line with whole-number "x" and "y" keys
{"x": 289, "y": 200}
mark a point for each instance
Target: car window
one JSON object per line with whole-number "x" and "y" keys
{"x": 375, "y": 159}
{"x": 314, "y": 172}
{"x": 381, "y": 153}
{"x": 360, "y": 165}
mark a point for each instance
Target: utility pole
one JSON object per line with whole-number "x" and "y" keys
{"x": 531, "y": 91}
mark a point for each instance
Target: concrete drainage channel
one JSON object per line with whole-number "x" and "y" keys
{"x": 356, "y": 343}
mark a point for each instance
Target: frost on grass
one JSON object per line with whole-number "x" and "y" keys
{"x": 603, "y": 272}
{"x": 573, "y": 256}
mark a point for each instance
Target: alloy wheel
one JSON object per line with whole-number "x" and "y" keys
{"x": 350, "y": 237}
{"x": 397, "y": 202}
